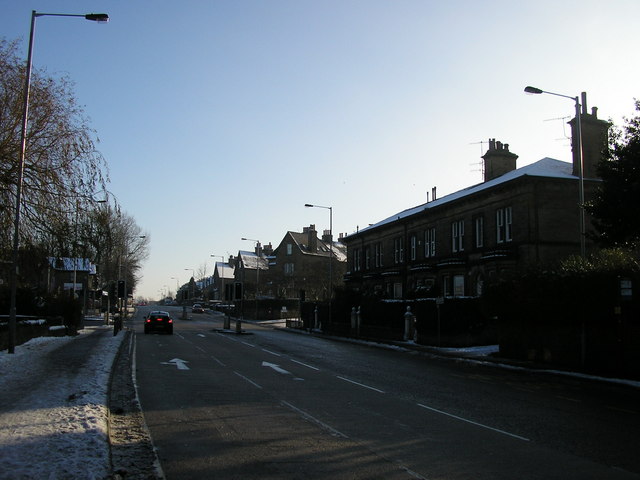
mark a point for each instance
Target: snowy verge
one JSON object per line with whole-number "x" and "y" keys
{"x": 56, "y": 428}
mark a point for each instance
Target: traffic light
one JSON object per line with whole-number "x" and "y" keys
{"x": 120, "y": 288}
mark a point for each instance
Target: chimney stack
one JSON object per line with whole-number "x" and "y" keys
{"x": 326, "y": 236}
{"x": 498, "y": 160}
{"x": 595, "y": 139}
{"x": 312, "y": 242}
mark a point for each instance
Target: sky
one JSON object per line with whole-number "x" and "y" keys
{"x": 221, "y": 119}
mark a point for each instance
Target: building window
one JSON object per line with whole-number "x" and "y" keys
{"x": 378, "y": 254}
{"x": 289, "y": 249}
{"x": 414, "y": 247}
{"x": 397, "y": 291}
{"x": 504, "y": 225}
{"x": 356, "y": 260}
{"x": 398, "y": 250}
{"x": 479, "y": 231}
{"x": 430, "y": 242}
{"x": 457, "y": 236}
{"x": 288, "y": 268}
{"x": 367, "y": 258}
{"x": 458, "y": 285}
{"x": 445, "y": 286}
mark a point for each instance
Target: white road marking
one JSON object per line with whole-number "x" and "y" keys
{"x": 313, "y": 419}
{"x": 217, "y": 360}
{"x": 248, "y": 380}
{"x": 359, "y": 384}
{"x": 473, "y": 423}
{"x": 276, "y": 368}
{"x": 227, "y": 337}
{"x": 272, "y": 353}
{"x": 181, "y": 364}
{"x": 201, "y": 335}
{"x": 304, "y": 365}
{"x": 248, "y": 344}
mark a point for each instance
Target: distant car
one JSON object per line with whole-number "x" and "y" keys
{"x": 197, "y": 308}
{"x": 158, "y": 321}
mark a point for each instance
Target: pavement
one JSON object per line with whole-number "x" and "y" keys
{"x": 53, "y": 413}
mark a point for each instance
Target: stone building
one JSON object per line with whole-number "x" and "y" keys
{"x": 223, "y": 280}
{"x": 300, "y": 263}
{"x": 451, "y": 246}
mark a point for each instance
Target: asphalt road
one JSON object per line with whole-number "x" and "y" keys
{"x": 274, "y": 405}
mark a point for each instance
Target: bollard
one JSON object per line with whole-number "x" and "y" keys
{"x": 238, "y": 326}
{"x": 358, "y": 321}
{"x": 353, "y": 318}
{"x": 227, "y": 322}
{"x": 315, "y": 317}
{"x": 408, "y": 324}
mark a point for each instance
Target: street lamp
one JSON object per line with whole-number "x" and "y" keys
{"x": 220, "y": 274}
{"x": 96, "y": 17}
{"x": 577, "y": 142}
{"x": 125, "y": 252}
{"x": 258, "y": 256}
{"x": 193, "y": 276}
{"x": 75, "y": 257}
{"x": 309, "y": 205}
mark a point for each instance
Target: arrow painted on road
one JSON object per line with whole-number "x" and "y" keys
{"x": 181, "y": 364}
{"x": 276, "y": 368}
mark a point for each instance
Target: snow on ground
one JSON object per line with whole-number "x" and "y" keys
{"x": 57, "y": 429}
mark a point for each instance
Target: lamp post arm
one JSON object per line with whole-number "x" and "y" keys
{"x": 575, "y": 99}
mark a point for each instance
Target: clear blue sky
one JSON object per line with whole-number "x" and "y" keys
{"x": 221, "y": 119}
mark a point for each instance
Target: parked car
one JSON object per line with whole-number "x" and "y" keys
{"x": 158, "y": 321}
{"x": 197, "y": 308}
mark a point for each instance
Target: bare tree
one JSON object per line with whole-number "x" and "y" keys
{"x": 61, "y": 164}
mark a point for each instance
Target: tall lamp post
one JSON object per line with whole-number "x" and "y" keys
{"x": 75, "y": 258}
{"x": 258, "y": 256}
{"x": 309, "y": 205}
{"x": 220, "y": 273}
{"x": 177, "y": 287}
{"x": 96, "y": 17}
{"x": 577, "y": 142}
{"x": 193, "y": 276}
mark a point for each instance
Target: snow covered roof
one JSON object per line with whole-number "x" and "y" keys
{"x": 224, "y": 270}
{"x": 547, "y": 167}
{"x": 302, "y": 239}
{"x": 251, "y": 261}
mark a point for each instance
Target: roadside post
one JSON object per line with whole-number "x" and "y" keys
{"x": 353, "y": 319}
{"x": 227, "y": 319}
{"x": 439, "y": 301}
{"x": 408, "y": 324}
{"x": 106, "y": 314}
